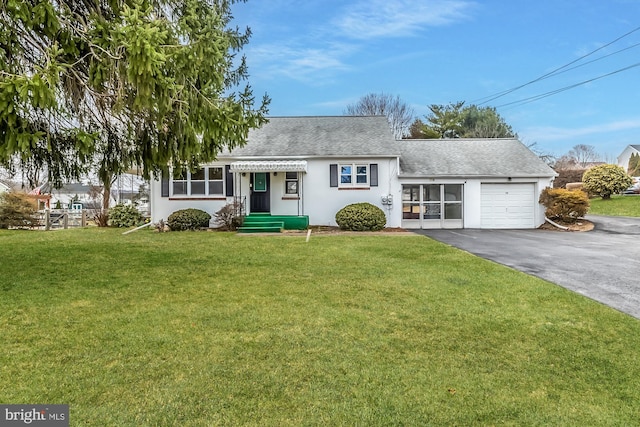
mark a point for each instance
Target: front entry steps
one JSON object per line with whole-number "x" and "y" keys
{"x": 267, "y": 223}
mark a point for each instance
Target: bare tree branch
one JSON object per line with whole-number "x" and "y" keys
{"x": 398, "y": 113}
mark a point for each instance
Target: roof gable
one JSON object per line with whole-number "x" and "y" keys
{"x": 499, "y": 157}
{"x": 329, "y": 136}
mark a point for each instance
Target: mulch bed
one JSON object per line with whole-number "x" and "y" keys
{"x": 579, "y": 225}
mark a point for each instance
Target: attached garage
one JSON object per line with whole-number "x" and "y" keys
{"x": 499, "y": 181}
{"x": 508, "y": 205}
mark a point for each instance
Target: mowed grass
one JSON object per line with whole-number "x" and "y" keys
{"x": 616, "y": 206}
{"x": 203, "y": 329}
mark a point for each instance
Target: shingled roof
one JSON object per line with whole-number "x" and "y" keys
{"x": 496, "y": 157}
{"x": 326, "y": 136}
{"x": 370, "y": 136}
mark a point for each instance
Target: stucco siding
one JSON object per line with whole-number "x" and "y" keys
{"x": 322, "y": 201}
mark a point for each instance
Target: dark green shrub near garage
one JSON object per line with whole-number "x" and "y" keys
{"x": 188, "y": 219}
{"x": 361, "y": 217}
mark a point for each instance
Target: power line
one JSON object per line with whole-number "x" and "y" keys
{"x": 495, "y": 96}
{"x": 594, "y": 60}
{"x": 553, "y": 92}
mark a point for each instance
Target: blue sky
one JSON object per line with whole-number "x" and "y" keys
{"x": 314, "y": 57}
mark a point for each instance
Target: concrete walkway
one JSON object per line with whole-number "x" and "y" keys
{"x": 603, "y": 264}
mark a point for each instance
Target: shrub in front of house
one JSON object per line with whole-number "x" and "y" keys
{"x": 605, "y": 180}
{"x": 124, "y": 216}
{"x": 564, "y": 205}
{"x": 17, "y": 210}
{"x": 188, "y": 219}
{"x": 230, "y": 216}
{"x": 361, "y": 217}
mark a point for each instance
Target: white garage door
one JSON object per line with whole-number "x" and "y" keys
{"x": 508, "y": 206}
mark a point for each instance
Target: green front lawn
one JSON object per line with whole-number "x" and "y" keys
{"x": 616, "y": 206}
{"x": 201, "y": 329}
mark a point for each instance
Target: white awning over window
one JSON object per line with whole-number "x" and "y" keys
{"x": 270, "y": 166}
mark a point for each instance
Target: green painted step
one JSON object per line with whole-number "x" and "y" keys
{"x": 287, "y": 222}
{"x": 278, "y": 224}
{"x": 244, "y": 229}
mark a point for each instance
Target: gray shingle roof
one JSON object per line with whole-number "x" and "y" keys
{"x": 328, "y": 136}
{"x": 636, "y": 146}
{"x": 370, "y": 136}
{"x": 470, "y": 158}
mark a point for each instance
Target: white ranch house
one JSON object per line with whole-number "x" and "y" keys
{"x": 314, "y": 166}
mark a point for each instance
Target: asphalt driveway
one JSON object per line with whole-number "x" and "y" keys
{"x": 603, "y": 264}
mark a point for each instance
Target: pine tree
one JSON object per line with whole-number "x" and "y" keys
{"x": 121, "y": 83}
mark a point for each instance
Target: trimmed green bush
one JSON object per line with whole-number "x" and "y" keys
{"x": 17, "y": 210}
{"x": 565, "y": 205}
{"x": 605, "y": 180}
{"x": 124, "y": 216}
{"x": 188, "y": 219}
{"x": 361, "y": 217}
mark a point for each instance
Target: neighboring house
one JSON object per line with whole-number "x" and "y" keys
{"x": 4, "y": 188}
{"x": 126, "y": 189}
{"x": 623, "y": 159}
{"x": 73, "y": 196}
{"x": 314, "y": 166}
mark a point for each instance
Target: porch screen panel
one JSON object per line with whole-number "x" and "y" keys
{"x": 453, "y": 201}
{"x": 411, "y": 202}
{"x": 431, "y": 199}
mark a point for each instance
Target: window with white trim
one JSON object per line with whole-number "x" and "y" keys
{"x": 291, "y": 182}
{"x": 201, "y": 182}
{"x": 180, "y": 184}
{"x": 354, "y": 175}
{"x": 197, "y": 182}
{"x": 216, "y": 181}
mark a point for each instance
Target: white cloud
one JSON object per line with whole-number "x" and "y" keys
{"x": 298, "y": 63}
{"x": 317, "y": 53}
{"x": 559, "y": 133}
{"x": 399, "y": 18}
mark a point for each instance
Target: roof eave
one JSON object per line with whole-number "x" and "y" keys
{"x": 484, "y": 176}
{"x": 306, "y": 157}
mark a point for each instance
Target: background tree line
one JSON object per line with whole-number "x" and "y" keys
{"x": 458, "y": 120}
{"x": 454, "y": 120}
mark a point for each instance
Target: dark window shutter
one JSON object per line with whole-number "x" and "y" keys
{"x": 164, "y": 183}
{"x": 373, "y": 174}
{"x": 228, "y": 181}
{"x": 333, "y": 175}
